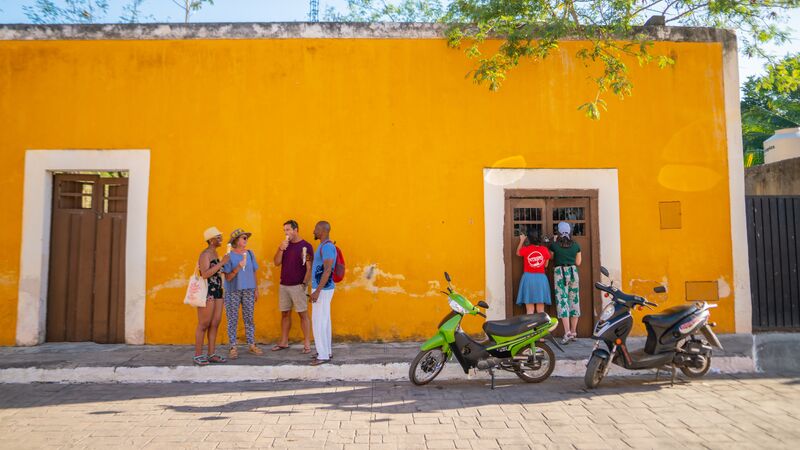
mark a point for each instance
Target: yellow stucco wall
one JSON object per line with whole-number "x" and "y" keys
{"x": 386, "y": 139}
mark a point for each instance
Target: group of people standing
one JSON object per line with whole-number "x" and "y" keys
{"x": 232, "y": 282}
{"x": 534, "y": 287}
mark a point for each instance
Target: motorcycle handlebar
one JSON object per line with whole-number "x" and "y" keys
{"x": 623, "y": 297}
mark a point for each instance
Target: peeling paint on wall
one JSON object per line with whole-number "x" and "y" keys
{"x": 370, "y": 277}
{"x": 724, "y": 287}
{"x": 178, "y": 281}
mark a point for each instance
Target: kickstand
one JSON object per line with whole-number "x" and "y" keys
{"x": 491, "y": 373}
{"x": 672, "y": 381}
{"x": 658, "y": 370}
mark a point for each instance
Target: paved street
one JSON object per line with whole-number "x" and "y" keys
{"x": 718, "y": 412}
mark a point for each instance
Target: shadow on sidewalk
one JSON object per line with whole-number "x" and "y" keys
{"x": 381, "y": 397}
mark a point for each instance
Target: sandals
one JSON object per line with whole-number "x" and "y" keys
{"x": 200, "y": 360}
{"x": 216, "y": 359}
{"x": 233, "y": 353}
{"x": 306, "y": 350}
{"x": 278, "y": 348}
{"x": 569, "y": 337}
{"x": 319, "y": 362}
{"x": 255, "y": 350}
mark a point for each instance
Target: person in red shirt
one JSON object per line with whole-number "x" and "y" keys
{"x": 534, "y": 289}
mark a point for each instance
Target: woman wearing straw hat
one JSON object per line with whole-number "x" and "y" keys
{"x": 209, "y": 317}
{"x": 240, "y": 274}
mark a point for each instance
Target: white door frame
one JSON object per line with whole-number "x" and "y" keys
{"x": 36, "y": 221}
{"x": 495, "y": 183}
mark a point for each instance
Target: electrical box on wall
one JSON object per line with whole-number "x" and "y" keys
{"x": 670, "y": 215}
{"x": 702, "y": 291}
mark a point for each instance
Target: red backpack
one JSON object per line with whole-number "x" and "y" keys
{"x": 338, "y": 265}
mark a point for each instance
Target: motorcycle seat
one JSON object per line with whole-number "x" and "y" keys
{"x": 515, "y": 325}
{"x": 669, "y": 317}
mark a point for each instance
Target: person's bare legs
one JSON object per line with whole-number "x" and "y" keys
{"x": 573, "y": 325}
{"x": 540, "y": 307}
{"x": 567, "y": 328}
{"x": 203, "y": 321}
{"x": 305, "y": 325}
{"x": 530, "y": 308}
{"x": 286, "y": 325}
{"x": 216, "y": 318}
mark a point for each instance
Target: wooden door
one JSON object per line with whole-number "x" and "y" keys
{"x": 86, "y": 285}
{"x": 526, "y": 209}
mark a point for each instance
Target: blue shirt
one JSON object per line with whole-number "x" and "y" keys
{"x": 328, "y": 251}
{"x": 246, "y": 278}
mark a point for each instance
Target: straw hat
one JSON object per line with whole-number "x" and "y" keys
{"x": 210, "y": 233}
{"x": 238, "y": 232}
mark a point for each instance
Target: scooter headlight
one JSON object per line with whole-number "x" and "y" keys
{"x": 455, "y": 306}
{"x": 608, "y": 311}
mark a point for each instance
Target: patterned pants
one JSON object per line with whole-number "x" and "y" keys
{"x": 246, "y": 298}
{"x": 567, "y": 285}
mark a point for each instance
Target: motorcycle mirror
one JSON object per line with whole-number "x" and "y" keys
{"x": 447, "y": 277}
{"x": 483, "y": 304}
{"x": 604, "y": 271}
{"x": 660, "y": 289}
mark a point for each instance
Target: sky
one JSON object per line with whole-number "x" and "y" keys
{"x": 297, "y": 10}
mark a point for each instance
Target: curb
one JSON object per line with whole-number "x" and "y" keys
{"x": 329, "y": 372}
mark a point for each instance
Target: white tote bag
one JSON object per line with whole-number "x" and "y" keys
{"x": 197, "y": 291}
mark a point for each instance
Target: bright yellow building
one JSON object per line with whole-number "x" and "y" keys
{"x": 376, "y": 129}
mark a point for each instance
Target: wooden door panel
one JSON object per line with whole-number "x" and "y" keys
{"x": 109, "y": 307}
{"x": 79, "y": 324}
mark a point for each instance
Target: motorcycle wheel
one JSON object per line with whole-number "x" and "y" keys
{"x": 595, "y": 371}
{"x": 693, "y": 372}
{"x": 548, "y": 360}
{"x": 426, "y": 366}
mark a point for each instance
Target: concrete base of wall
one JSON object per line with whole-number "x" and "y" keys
{"x": 778, "y": 352}
{"x": 93, "y": 363}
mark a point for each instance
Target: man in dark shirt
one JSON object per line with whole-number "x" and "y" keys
{"x": 294, "y": 257}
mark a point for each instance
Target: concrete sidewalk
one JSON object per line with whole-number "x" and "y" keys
{"x": 89, "y": 362}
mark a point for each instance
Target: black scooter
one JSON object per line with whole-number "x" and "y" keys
{"x": 672, "y": 337}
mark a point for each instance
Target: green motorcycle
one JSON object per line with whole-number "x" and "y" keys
{"x": 514, "y": 345}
